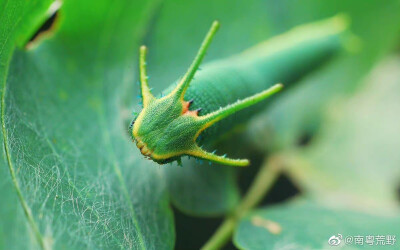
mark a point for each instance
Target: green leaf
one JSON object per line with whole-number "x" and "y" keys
{"x": 19, "y": 19}
{"x": 71, "y": 177}
{"x": 306, "y": 225}
{"x": 14, "y": 18}
{"x": 358, "y": 144}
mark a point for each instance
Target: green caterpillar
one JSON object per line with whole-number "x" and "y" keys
{"x": 169, "y": 127}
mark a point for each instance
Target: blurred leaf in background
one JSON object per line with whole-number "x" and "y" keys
{"x": 307, "y": 225}
{"x": 354, "y": 159}
{"x": 350, "y": 172}
{"x": 300, "y": 111}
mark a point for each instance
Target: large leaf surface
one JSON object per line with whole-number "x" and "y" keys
{"x": 306, "y": 225}
{"x": 14, "y": 17}
{"x": 81, "y": 182}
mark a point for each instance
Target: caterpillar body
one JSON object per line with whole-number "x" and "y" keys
{"x": 169, "y": 127}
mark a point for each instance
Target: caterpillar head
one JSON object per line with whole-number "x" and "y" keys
{"x": 166, "y": 129}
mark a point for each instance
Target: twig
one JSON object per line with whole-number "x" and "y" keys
{"x": 262, "y": 183}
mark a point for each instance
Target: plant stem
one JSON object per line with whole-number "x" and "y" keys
{"x": 263, "y": 181}
{"x": 222, "y": 235}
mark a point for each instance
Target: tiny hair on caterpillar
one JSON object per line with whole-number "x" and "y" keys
{"x": 168, "y": 127}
